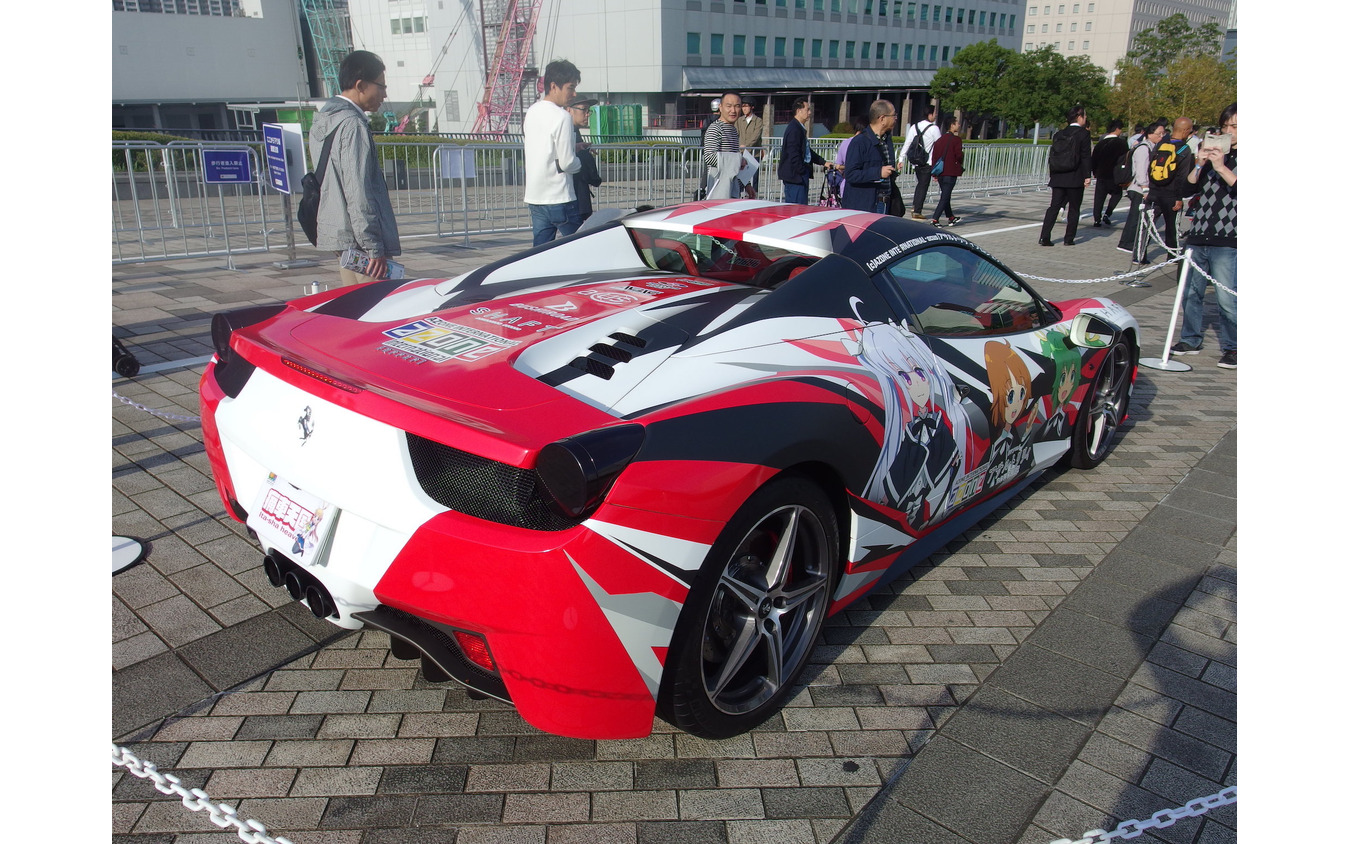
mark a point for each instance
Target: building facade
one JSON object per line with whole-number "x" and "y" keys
{"x": 177, "y": 63}
{"x": 672, "y": 57}
{"x": 1104, "y": 30}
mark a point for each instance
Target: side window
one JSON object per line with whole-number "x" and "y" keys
{"x": 954, "y": 292}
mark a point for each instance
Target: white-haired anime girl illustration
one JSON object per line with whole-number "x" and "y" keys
{"x": 923, "y": 449}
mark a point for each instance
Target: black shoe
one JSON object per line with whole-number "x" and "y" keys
{"x": 1126, "y": 250}
{"x": 1096, "y": 224}
{"x": 951, "y": 221}
{"x": 1106, "y": 220}
{"x": 1068, "y": 241}
{"x": 1045, "y": 242}
{"x": 1184, "y": 348}
{"x": 1228, "y": 360}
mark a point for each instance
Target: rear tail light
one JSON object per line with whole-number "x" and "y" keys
{"x": 578, "y": 471}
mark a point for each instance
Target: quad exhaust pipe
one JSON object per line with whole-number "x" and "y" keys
{"x": 299, "y": 584}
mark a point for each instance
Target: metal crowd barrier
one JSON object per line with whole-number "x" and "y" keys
{"x": 163, "y": 209}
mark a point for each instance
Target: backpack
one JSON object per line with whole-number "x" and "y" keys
{"x": 308, "y": 212}
{"x": 1162, "y": 168}
{"x": 1122, "y": 173}
{"x": 1064, "y": 155}
{"x": 917, "y": 154}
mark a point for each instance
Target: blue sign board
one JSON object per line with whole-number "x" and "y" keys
{"x": 274, "y": 149}
{"x": 226, "y": 166}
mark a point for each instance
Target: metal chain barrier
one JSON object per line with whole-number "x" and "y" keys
{"x": 1177, "y": 254}
{"x": 161, "y": 414}
{"x": 222, "y": 815}
{"x": 1160, "y": 820}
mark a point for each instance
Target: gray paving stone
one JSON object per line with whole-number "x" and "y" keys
{"x": 378, "y": 811}
{"x": 151, "y": 689}
{"x": 330, "y": 782}
{"x": 1027, "y": 738}
{"x": 635, "y": 806}
{"x": 230, "y": 656}
{"x": 684, "y": 832}
{"x": 1091, "y": 641}
{"x": 656, "y": 774}
{"x": 819, "y": 802}
{"x": 1058, "y": 684}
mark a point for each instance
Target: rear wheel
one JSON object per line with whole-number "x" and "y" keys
{"x": 1103, "y": 409}
{"x": 755, "y": 612}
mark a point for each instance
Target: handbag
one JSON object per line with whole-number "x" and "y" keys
{"x": 896, "y": 204}
{"x": 308, "y": 212}
{"x": 937, "y": 167}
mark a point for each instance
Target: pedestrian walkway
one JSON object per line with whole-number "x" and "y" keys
{"x": 1067, "y": 664}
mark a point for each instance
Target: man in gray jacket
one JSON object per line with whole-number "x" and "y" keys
{"x": 354, "y": 207}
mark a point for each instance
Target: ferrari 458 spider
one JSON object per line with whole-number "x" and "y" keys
{"x": 634, "y": 471}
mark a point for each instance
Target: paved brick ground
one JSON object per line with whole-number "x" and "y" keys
{"x": 926, "y": 709}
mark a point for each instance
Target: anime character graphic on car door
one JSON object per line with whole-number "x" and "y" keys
{"x": 1011, "y": 404}
{"x": 923, "y": 451}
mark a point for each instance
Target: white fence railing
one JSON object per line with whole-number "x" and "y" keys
{"x": 162, "y": 207}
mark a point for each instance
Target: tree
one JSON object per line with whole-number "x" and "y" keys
{"x": 1173, "y": 70}
{"x": 1198, "y": 87}
{"x": 1043, "y": 85}
{"x": 974, "y": 81}
{"x": 1155, "y": 48}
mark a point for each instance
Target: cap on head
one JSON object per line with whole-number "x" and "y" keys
{"x": 581, "y": 101}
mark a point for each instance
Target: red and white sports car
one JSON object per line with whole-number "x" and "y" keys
{"x": 633, "y": 471}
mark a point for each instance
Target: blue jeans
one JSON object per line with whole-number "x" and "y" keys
{"x": 549, "y": 221}
{"x": 794, "y": 193}
{"x": 1221, "y": 263}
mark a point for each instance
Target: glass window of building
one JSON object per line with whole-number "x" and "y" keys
{"x": 738, "y": 45}
{"x": 715, "y": 43}
{"x": 691, "y": 43}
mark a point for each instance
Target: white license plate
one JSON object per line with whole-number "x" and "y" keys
{"x": 293, "y": 521}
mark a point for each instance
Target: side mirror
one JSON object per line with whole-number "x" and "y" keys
{"x": 1090, "y": 331}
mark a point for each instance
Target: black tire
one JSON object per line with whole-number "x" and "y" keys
{"x": 1104, "y": 408}
{"x": 746, "y": 631}
{"x": 126, "y": 366}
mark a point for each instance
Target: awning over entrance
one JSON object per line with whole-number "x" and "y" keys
{"x": 718, "y": 79}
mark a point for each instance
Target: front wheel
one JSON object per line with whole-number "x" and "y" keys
{"x": 755, "y": 612}
{"x": 1103, "y": 409}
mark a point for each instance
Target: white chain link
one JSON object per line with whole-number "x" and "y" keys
{"x": 1174, "y": 256}
{"x": 1165, "y": 818}
{"x": 161, "y": 414}
{"x": 222, "y": 815}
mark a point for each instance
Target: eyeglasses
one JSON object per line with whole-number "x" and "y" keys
{"x": 382, "y": 87}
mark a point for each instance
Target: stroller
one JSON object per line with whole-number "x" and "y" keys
{"x": 124, "y": 362}
{"x": 829, "y": 191}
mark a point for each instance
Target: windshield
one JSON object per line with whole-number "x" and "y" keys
{"x": 721, "y": 258}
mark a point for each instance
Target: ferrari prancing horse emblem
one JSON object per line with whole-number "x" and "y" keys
{"x": 306, "y": 423}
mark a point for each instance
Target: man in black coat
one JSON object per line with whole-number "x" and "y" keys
{"x": 1070, "y": 174}
{"x": 869, "y": 164}
{"x": 797, "y": 160}
{"x": 1104, "y": 157}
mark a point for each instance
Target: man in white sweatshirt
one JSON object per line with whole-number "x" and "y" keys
{"x": 551, "y": 156}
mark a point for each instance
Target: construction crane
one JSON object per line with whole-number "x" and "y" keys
{"x": 330, "y": 27}
{"x": 501, "y": 92}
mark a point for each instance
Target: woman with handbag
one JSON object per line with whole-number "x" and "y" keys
{"x": 948, "y": 161}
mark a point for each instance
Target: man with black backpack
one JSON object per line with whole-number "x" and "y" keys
{"x": 918, "y": 151}
{"x": 1168, "y": 170}
{"x": 1070, "y": 174}
{"x": 354, "y": 207}
{"x": 1108, "y": 152}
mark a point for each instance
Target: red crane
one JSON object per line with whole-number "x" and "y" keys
{"x": 512, "y": 54}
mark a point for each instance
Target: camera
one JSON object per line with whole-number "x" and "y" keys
{"x": 1223, "y": 143}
